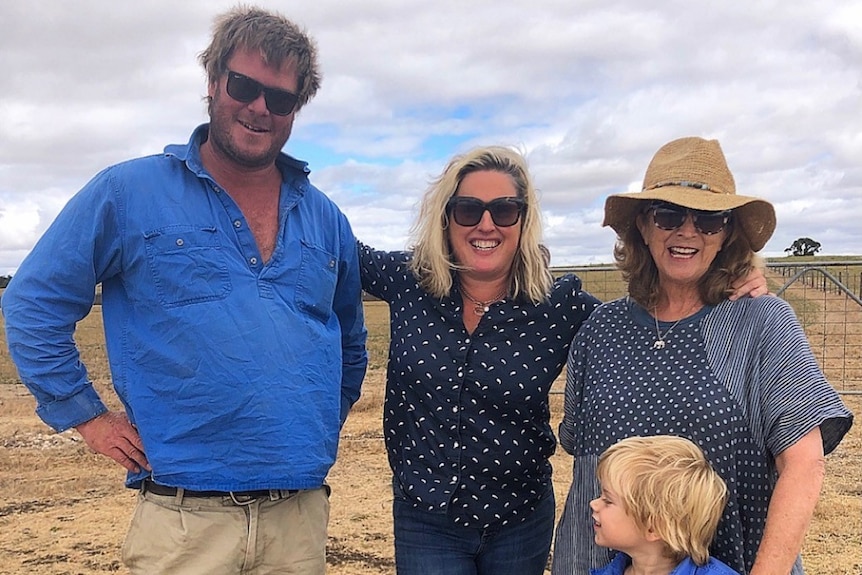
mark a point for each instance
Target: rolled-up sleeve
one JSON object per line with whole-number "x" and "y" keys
{"x": 54, "y": 289}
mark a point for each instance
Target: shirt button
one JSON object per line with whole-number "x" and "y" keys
{"x": 331, "y": 264}
{"x": 253, "y": 261}
{"x": 180, "y": 242}
{"x": 237, "y": 224}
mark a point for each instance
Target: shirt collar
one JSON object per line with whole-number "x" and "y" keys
{"x": 190, "y": 154}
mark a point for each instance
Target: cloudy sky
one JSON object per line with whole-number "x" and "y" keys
{"x": 587, "y": 89}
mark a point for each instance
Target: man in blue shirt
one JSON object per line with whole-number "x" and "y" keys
{"x": 233, "y": 321}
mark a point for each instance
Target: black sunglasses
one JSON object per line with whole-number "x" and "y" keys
{"x": 244, "y": 89}
{"x": 469, "y": 211}
{"x": 670, "y": 217}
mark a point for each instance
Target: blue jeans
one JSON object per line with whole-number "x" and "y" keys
{"x": 431, "y": 544}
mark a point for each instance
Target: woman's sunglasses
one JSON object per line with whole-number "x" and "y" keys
{"x": 468, "y": 212}
{"x": 670, "y": 217}
{"x": 244, "y": 89}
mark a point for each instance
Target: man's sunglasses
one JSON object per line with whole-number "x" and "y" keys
{"x": 670, "y": 217}
{"x": 244, "y": 89}
{"x": 468, "y": 212}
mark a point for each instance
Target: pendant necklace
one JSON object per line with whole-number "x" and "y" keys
{"x": 659, "y": 341}
{"x": 482, "y": 307}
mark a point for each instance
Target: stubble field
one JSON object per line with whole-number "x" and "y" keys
{"x": 64, "y": 511}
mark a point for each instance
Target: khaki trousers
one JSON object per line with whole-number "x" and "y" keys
{"x": 180, "y": 535}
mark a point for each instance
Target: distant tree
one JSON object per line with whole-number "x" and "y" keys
{"x": 803, "y": 247}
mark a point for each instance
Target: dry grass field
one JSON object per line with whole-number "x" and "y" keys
{"x": 63, "y": 510}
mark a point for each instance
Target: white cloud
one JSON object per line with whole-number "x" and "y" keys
{"x": 588, "y": 89}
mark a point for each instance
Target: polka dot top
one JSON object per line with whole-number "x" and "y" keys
{"x": 738, "y": 379}
{"x": 466, "y": 418}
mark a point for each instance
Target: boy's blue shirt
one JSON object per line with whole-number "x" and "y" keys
{"x": 687, "y": 567}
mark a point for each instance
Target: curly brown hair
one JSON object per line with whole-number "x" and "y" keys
{"x": 735, "y": 260}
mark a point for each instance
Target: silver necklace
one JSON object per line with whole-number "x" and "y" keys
{"x": 659, "y": 338}
{"x": 480, "y": 308}
{"x": 659, "y": 342}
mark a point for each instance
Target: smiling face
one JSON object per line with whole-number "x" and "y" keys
{"x": 683, "y": 255}
{"x": 613, "y": 527}
{"x": 487, "y": 250}
{"x": 247, "y": 135}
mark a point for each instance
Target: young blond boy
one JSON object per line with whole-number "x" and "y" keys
{"x": 660, "y": 506}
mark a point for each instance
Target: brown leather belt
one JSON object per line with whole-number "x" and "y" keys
{"x": 274, "y": 494}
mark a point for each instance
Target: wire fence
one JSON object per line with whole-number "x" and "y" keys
{"x": 827, "y": 299}
{"x": 826, "y": 296}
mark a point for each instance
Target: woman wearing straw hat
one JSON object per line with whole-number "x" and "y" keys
{"x": 677, "y": 357}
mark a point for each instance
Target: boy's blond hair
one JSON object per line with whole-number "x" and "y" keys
{"x": 666, "y": 485}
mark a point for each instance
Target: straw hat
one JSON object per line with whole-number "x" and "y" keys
{"x": 693, "y": 173}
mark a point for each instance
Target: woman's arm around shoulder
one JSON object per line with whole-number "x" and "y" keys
{"x": 381, "y": 272}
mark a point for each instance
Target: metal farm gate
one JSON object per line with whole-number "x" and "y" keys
{"x": 827, "y": 298}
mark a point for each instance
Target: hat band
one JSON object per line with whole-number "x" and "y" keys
{"x": 683, "y": 184}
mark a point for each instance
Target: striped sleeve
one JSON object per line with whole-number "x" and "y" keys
{"x": 760, "y": 351}
{"x": 574, "y": 391}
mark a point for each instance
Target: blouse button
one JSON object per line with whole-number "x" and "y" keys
{"x": 253, "y": 261}
{"x": 237, "y": 224}
{"x": 180, "y": 242}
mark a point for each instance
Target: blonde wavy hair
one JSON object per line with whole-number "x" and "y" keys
{"x": 665, "y": 484}
{"x": 433, "y": 263}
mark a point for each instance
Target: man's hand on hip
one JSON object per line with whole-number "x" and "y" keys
{"x": 113, "y": 435}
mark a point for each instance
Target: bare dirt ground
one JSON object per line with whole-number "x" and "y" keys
{"x": 64, "y": 511}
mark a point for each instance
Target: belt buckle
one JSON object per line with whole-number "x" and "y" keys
{"x": 281, "y": 494}
{"x": 241, "y": 498}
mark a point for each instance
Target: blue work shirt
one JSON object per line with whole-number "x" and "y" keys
{"x": 237, "y": 373}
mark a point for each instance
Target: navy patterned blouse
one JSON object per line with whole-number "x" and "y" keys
{"x": 466, "y": 418}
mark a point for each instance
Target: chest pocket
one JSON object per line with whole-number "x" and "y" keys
{"x": 187, "y": 265}
{"x": 315, "y": 286}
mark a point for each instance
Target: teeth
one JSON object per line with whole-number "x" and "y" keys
{"x": 252, "y": 128}
{"x": 484, "y": 244}
{"x": 683, "y": 251}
